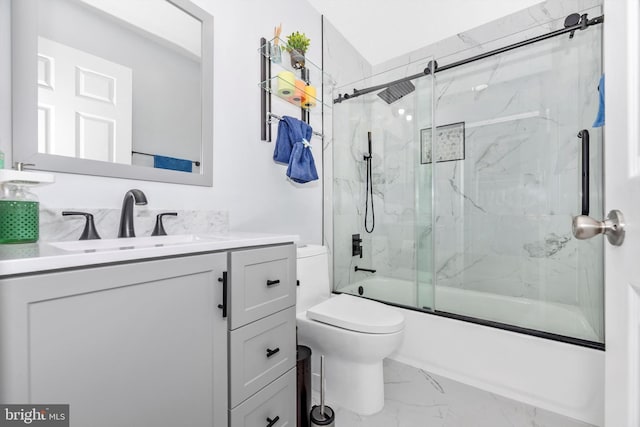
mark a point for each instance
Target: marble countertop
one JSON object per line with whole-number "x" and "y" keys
{"x": 46, "y": 256}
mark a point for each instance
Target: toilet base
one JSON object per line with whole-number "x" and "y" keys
{"x": 357, "y": 387}
{"x": 353, "y": 362}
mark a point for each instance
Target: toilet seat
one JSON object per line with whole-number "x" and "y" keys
{"x": 357, "y": 314}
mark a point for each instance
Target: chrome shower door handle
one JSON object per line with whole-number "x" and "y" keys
{"x": 585, "y": 227}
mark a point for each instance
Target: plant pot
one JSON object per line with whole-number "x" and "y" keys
{"x": 297, "y": 59}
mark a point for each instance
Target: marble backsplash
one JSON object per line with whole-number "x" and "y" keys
{"x": 55, "y": 227}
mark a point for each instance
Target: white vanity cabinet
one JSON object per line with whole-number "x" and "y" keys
{"x": 150, "y": 342}
{"x": 262, "y": 344}
{"x": 137, "y": 344}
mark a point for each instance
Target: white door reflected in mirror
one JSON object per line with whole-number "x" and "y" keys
{"x": 84, "y": 104}
{"x": 120, "y": 81}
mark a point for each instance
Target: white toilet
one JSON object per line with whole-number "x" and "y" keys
{"x": 354, "y": 334}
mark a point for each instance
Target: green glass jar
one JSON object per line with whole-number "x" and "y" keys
{"x": 19, "y": 214}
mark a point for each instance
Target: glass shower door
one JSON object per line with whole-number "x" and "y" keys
{"x": 506, "y": 184}
{"x": 387, "y": 269}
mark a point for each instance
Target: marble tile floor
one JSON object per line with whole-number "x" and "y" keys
{"x": 415, "y": 398}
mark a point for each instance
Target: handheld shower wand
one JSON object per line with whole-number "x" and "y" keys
{"x": 369, "y": 154}
{"x": 369, "y": 190}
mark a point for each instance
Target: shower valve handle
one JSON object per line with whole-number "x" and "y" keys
{"x": 585, "y": 227}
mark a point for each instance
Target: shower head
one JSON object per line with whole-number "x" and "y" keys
{"x": 396, "y": 91}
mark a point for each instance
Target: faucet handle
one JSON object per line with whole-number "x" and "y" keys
{"x": 89, "y": 232}
{"x": 19, "y": 166}
{"x": 159, "y": 230}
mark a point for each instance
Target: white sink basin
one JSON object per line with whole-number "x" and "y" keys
{"x": 133, "y": 243}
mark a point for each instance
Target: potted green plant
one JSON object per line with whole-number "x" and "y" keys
{"x": 297, "y": 45}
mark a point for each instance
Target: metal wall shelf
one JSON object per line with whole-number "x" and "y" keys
{"x": 299, "y": 96}
{"x": 288, "y": 76}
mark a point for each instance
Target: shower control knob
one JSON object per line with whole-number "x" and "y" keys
{"x": 585, "y": 227}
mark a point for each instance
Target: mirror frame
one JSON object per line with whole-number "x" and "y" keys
{"x": 24, "y": 71}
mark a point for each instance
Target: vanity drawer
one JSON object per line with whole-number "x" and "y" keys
{"x": 277, "y": 400}
{"x": 263, "y": 281}
{"x": 261, "y": 352}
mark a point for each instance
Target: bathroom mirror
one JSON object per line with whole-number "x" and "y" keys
{"x": 117, "y": 88}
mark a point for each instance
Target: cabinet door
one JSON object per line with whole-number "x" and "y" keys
{"x": 263, "y": 281}
{"x": 139, "y": 344}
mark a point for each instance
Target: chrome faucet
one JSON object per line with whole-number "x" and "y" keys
{"x": 126, "y": 215}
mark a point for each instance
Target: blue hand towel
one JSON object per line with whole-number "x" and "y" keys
{"x": 162, "y": 162}
{"x": 292, "y": 147}
{"x": 282, "y": 151}
{"x": 290, "y": 130}
{"x": 302, "y": 168}
{"x": 600, "y": 117}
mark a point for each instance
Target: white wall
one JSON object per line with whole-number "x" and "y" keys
{"x": 381, "y": 30}
{"x": 246, "y": 180}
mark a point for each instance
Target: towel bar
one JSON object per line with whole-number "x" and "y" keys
{"x": 195, "y": 162}
{"x": 277, "y": 117}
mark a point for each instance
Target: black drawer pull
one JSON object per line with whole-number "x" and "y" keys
{"x": 223, "y": 306}
{"x": 272, "y": 282}
{"x": 272, "y": 422}
{"x": 272, "y": 352}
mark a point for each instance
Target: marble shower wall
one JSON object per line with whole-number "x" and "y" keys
{"x": 349, "y": 175}
{"x": 390, "y": 249}
{"x": 344, "y": 126}
{"x": 509, "y": 205}
{"x": 503, "y": 215}
{"x": 395, "y": 155}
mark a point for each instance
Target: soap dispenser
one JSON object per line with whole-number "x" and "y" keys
{"x": 19, "y": 214}
{"x": 19, "y": 207}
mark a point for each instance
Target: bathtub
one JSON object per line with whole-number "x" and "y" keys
{"x": 557, "y": 376}
{"x": 561, "y": 319}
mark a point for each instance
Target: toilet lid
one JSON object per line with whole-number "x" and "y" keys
{"x": 357, "y": 314}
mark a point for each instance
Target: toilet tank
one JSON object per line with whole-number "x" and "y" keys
{"x": 313, "y": 274}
